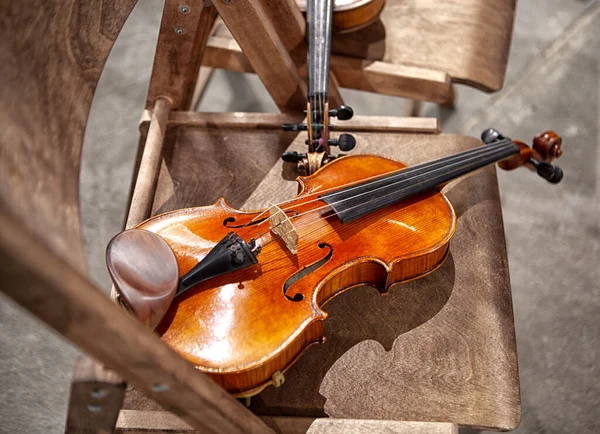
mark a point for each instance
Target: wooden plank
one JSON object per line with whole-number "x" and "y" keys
{"x": 373, "y": 76}
{"x": 255, "y": 33}
{"x": 53, "y": 291}
{"x": 96, "y": 398}
{"x": 184, "y": 29}
{"x": 290, "y": 25}
{"x": 392, "y": 79}
{"x": 134, "y": 421}
{"x": 273, "y": 121}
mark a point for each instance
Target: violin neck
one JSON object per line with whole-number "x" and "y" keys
{"x": 360, "y": 199}
{"x": 319, "y": 15}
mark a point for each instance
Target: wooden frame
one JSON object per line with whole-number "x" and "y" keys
{"x": 40, "y": 243}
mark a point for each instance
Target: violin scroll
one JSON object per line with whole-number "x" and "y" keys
{"x": 546, "y": 148}
{"x": 548, "y": 145}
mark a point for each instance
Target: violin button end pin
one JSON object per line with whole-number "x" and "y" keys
{"x": 278, "y": 379}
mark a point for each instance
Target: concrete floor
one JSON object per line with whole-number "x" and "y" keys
{"x": 553, "y": 235}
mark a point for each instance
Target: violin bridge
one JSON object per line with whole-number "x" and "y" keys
{"x": 282, "y": 226}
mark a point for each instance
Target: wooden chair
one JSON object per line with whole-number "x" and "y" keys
{"x": 417, "y": 50}
{"x": 440, "y": 351}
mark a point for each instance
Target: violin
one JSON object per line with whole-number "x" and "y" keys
{"x": 242, "y": 292}
{"x": 319, "y": 17}
{"x": 351, "y": 15}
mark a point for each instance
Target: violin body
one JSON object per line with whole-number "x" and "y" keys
{"x": 243, "y": 327}
{"x": 351, "y": 15}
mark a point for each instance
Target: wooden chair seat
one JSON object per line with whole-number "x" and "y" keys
{"x": 441, "y": 348}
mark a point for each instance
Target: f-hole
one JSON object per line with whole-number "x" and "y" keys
{"x": 305, "y": 271}
{"x": 228, "y": 222}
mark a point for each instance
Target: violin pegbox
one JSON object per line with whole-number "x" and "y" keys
{"x": 547, "y": 147}
{"x": 319, "y": 155}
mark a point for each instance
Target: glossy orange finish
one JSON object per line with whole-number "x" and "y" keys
{"x": 351, "y": 15}
{"x": 240, "y": 328}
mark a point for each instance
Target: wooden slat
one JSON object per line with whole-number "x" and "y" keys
{"x": 134, "y": 421}
{"x": 203, "y": 77}
{"x": 273, "y": 121}
{"x": 392, "y": 79}
{"x": 145, "y": 186}
{"x": 225, "y": 53}
{"x": 373, "y": 76}
{"x": 60, "y": 296}
{"x": 249, "y": 24}
{"x": 96, "y": 398}
{"x": 184, "y": 29}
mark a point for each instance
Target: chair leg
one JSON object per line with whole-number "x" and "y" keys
{"x": 451, "y": 102}
{"x": 96, "y": 398}
{"x": 412, "y": 108}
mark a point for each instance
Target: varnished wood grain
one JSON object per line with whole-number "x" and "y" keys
{"x": 228, "y": 326}
{"x": 404, "y": 356}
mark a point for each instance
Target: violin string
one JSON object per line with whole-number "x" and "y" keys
{"x": 379, "y": 178}
{"x": 306, "y": 224}
{"x": 404, "y": 173}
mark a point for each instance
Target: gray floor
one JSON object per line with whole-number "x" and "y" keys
{"x": 553, "y": 236}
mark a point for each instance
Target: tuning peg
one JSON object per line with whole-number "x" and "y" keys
{"x": 346, "y": 142}
{"x": 343, "y": 113}
{"x": 546, "y": 147}
{"x": 292, "y": 157}
{"x": 549, "y": 172}
{"x": 491, "y": 135}
{"x": 294, "y": 127}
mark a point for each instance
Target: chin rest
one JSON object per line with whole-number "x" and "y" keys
{"x": 145, "y": 273}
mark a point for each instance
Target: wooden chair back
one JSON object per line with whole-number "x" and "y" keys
{"x": 52, "y": 54}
